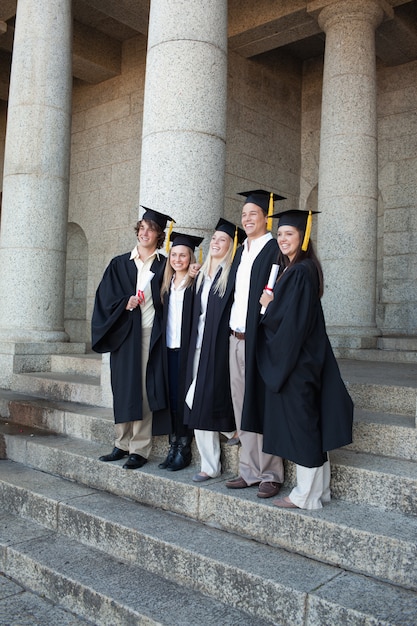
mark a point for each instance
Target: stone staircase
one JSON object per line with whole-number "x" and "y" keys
{"x": 108, "y": 546}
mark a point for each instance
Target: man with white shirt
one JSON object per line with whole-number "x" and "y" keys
{"x": 248, "y": 277}
{"x": 127, "y": 322}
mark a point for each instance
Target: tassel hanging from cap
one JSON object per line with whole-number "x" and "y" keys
{"x": 270, "y": 211}
{"x": 200, "y": 256}
{"x": 234, "y": 244}
{"x": 307, "y": 232}
{"x": 171, "y": 226}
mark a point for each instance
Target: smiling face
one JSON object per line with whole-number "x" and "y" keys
{"x": 147, "y": 236}
{"x": 219, "y": 244}
{"x": 179, "y": 258}
{"x": 254, "y": 221}
{"x": 289, "y": 240}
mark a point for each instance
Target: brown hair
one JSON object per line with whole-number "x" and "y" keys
{"x": 153, "y": 226}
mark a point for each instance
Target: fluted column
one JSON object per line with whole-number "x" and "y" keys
{"x": 36, "y": 174}
{"x": 184, "y": 120}
{"x": 348, "y": 187}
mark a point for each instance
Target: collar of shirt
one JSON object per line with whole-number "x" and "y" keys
{"x": 134, "y": 255}
{"x": 257, "y": 244}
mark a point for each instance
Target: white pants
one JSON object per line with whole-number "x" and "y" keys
{"x": 208, "y": 444}
{"x": 313, "y": 487}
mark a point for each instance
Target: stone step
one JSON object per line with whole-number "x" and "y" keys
{"x": 381, "y": 355}
{"x": 85, "y": 422}
{"x": 374, "y": 386}
{"x": 398, "y": 344}
{"x": 365, "y": 538}
{"x": 104, "y": 588}
{"x": 87, "y": 364}
{"x": 30, "y": 609}
{"x": 86, "y": 554}
{"x": 60, "y": 386}
{"x": 388, "y": 388}
{"x": 385, "y": 434}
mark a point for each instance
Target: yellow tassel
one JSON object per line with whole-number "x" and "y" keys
{"x": 171, "y": 226}
{"x": 234, "y": 244}
{"x": 200, "y": 256}
{"x": 270, "y": 211}
{"x": 307, "y": 232}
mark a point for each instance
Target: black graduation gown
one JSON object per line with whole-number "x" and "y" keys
{"x": 254, "y": 385}
{"x": 119, "y": 332}
{"x": 183, "y": 352}
{"x": 212, "y": 405}
{"x": 307, "y": 409}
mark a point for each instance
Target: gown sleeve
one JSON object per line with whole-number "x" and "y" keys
{"x": 285, "y": 325}
{"x": 111, "y": 323}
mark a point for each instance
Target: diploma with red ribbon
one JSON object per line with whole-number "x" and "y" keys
{"x": 143, "y": 283}
{"x": 271, "y": 282}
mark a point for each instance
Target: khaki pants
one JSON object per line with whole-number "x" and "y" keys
{"x": 136, "y": 437}
{"x": 255, "y": 465}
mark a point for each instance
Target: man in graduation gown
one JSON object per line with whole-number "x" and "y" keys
{"x": 127, "y": 322}
{"x": 248, "y": 276}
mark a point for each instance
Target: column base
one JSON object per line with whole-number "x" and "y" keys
{"x": 359, "y": 338}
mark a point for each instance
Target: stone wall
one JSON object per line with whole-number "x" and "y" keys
{"x": 263, "y": 129}
{"x": 105, "y": 162}
{"x": 397, "y": 164}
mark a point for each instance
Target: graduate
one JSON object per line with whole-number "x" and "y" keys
{"x": 307, "y": 410}
{"x": 177, "y": 299}
{"x": 208, "y": 402}
{"x": 127, "y": 322}
{"x": 247, "y": 279}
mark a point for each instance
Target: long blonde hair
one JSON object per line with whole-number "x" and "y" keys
{"x": 225, "y": 263}
{"x": 169, "y": 273}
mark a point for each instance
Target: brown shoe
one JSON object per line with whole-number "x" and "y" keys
{"x": 285, "y": 503}
{"x": 268, "y": 490}
{"x": 237, "y": 483}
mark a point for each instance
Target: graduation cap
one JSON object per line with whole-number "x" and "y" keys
{"x": 161, "y": 219}
{"x": 181, "y": 239}
{"x": 237, "y": 234}
{"x": 155, "y": 216}
{"x": 263, "y": 199}
{"x": 298, "y": 219}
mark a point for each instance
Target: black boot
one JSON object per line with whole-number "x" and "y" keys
{"x": 172, "y": 452}
{"x": 183, "y": 455}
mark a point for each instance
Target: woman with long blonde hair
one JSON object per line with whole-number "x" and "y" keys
{"x": 209, "y": 409}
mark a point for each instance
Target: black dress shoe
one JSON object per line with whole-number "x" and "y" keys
{"x": 134, "y": 461}
{"x": 115, "y": 455}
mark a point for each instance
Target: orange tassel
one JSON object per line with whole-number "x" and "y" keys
{"x": 308, "y": 232}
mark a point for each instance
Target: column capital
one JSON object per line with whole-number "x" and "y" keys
{"x": 330, "y": 12}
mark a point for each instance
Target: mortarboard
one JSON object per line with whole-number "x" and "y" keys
{"x": 181, "y": 239}
{"x": 298, "y": 219}
{"x": 237, "y": 234}
{"x": 263, "y": 199}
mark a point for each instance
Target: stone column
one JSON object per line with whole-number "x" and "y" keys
{"x": 184, "y": 120}
{"x": 348, "y": 188}
{"x": 36, "y": 175}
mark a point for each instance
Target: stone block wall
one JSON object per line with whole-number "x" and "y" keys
{"x": 105, "y": 163}
{"x": 263, "y": 129}
{"x": 397, "y": 164}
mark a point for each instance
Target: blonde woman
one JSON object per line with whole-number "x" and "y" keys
{"x": 209, "y": 409}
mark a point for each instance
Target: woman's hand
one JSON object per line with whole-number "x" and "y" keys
{"x": 193, "y": 269}
{"x": 132, "y": 303}
{"x": 266, "y": 297}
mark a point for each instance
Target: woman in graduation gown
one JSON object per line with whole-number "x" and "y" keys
{"x": 209, "y": 409}
{"x": 307, "y": 410}
{"x": 177, "y": 297}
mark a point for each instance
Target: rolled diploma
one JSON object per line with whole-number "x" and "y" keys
{"x": 271, "y": 281}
